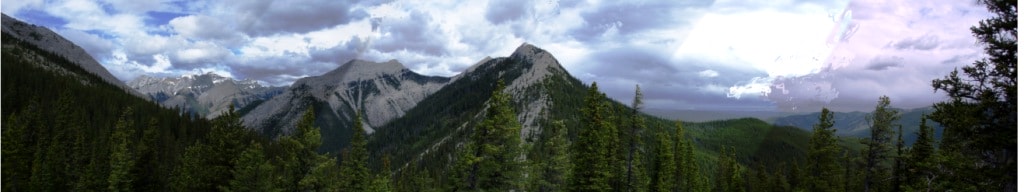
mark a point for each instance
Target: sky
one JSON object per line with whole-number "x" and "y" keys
{"x": 748, "y": 55}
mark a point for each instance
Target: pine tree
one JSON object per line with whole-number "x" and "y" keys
{"x": 779, "y": 180}
{"x": 761, "y": 179}
{"x": 633, "y": 138}
{"x": 591, "y": 159}
{"x": 980, "y": 117}
{"x": 823, "y": 169}
{"x": 687, "y": 176}
{"x": 664, "y": 166}
{"x": 305, "y": 169}
{"x": 253, "y": 172}
{"x": 122, "y": 159}
{"x": 495, "y": 147}
{"x": 899, "y": 162}
{"x": 552, "y": 171}
{"x": 796, "y": 177}
{"x": 382, "y": 182}
{"x": 921, "y": 163}
{"x": 357, "y": 175}
{"x": 879, "y": 145}
{"x": 16, "y": 151}
{"x": 207, "y": 164}
{"x": 729, "y": 176}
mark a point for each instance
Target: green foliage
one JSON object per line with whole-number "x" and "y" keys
{"x": 979, "y": 142}
{"x": 356, "y": 174}
{"x": 493, "y": 151}
{"x": 729, "y": 176}
{"x": 823, "y": 171}
{"x": 304, "y": 168}
{"x": 922, "y": 163}
{"x": 550, "y": 173}
{"x": 664, "y": 168}
{"x": 253, "y": 172}
{"x": 687, "y": 176}
{"x": 592, "y": 159}
{"x": 61, "y": 122}
{"x": 121, "y": 158}
{"x": 207, "y": 164}
{"x": 634, "y": 171}
{"x": 879, "y": 145}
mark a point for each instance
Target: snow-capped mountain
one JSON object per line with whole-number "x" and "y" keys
{"x": 207, "y": 95}
{"x": 52, "y": 42}
{"x": 381, "y": 91}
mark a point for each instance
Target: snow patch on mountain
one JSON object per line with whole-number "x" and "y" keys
{"x": 207, "y": 94}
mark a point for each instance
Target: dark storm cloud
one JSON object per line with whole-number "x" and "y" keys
{"x": 670, "y": 83}
{"x": 339, "y": 54}
{"x": 268, "y": 17}
{"x": 927, "y": 42}
{"x": 884, "y": 63}
{"x": 632, "y": 17}
{"x": 415, "y": 34}
{"x": 281, "y": 70}
{"x": 958, "y": 60}
{"x": 501, "y": 11}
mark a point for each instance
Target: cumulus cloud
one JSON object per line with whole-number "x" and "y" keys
{"x": 714, "y": 55}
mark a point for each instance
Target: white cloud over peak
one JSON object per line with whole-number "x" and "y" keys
{"x": 704, "y": 54}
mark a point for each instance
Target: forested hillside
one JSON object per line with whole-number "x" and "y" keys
{"x": 517, "y": 123}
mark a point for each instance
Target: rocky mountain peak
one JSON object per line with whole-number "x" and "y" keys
{"x": 362, "y": 69}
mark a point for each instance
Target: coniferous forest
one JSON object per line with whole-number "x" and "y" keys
{"x": 65, "y": 129}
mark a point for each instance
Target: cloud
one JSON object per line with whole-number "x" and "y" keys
{"x": 266, "y": 17}
{"x": 501, "y": 11}
{"x": 725, "y": 54}
{"x": 883, "y": 63}
{"x": 708, "y": 73}
{"x": 924, "y": 43}
{"x": 201, "y": 27}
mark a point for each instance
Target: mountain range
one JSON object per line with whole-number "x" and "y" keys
{"x": 420, "y": 120}
{"x": 206, "y": 95}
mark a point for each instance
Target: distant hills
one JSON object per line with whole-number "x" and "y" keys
{"x": 851, "y": 124}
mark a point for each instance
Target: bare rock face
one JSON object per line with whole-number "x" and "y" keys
{"x": 50, "y": 41}
{"x": 208, "y": 95}
{"x": 381, "y": 91}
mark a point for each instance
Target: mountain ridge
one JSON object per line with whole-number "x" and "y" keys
{"x": 49, "y": 40}
{"x": 207, "y": 95}
{"x": 382, "y": 91}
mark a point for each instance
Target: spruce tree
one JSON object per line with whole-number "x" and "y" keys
{"x": 207, "y": 164}
{"x": 879, "y": 146}
{"x": 17, "y": 150}
{"x": 305, "y": 169}
{"x": 495, "y": 147}
{"x": 552, "y": 170}
{"x": 664, "y": 166}
{"x": 591, "y": 160}
{"x": 980, "y": 116}
{"x": 357, "y": 175}
{"x": 823, "y": 170}
{"x": 637, "y": 125}
{"x": 253, "y": 172}
{"x": 729, "y": 175}
{"x": 686, "y": 175}
{"x": 922, "y": 163}
{"x": 121, "y": 158}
